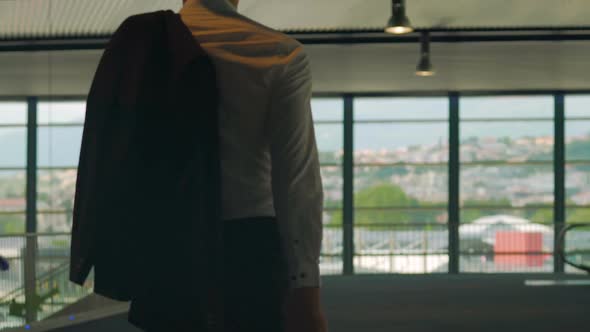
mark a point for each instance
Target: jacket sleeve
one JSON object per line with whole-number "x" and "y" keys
{"x": 100, "y": 101}
{"x": 296, "y": 180}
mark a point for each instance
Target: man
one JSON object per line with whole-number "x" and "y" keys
{"x": 270, "y": 169}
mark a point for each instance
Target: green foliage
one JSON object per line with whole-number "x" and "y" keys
{"x": 11, "y": 223}
{"x": 383, "y": 195}
{"x": 544, "y": 216}
{"x": 502, "y": 202}
{"x": 60, "y": 243}
{"x": 506, "y": 140}
{"x": 387, "y": 195}
{"x": 579, "y": 216}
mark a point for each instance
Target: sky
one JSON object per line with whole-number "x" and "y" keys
{"x": 60, "y": 146}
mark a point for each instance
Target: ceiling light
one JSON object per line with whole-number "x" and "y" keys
{"x": 424, "y": 67}
{"x": 398, "y": 23}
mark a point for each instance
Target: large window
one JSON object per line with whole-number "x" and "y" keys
{"x": 328, "y": 125}
{"x": 577, "y": 174}
{"x": 400, "y": 185}
{"x": 13, "y": 162}
{"x": 400, "y": 178}
{"x": 506, "y": 183}
{"x": 59, "y": 136}
{"x": 577, "y": 155}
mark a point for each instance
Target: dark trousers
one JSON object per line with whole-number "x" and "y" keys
{"x": 255, "y": 283}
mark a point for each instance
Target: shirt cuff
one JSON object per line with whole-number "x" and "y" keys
{"x": 308, "y": 275}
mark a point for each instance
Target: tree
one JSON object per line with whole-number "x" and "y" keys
{"x": 381, "y": 195}
{"x": 579, "y": 216}
{"x": 544, "y": 216}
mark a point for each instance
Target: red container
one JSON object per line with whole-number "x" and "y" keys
{"x": 517, "y": 248}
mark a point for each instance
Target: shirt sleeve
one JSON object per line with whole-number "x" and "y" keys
{"x": 296, "y": 180}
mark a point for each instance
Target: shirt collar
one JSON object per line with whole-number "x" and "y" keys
{"x": 222, "y": 6}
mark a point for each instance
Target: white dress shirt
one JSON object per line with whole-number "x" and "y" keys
{"x": 269, "y": 157}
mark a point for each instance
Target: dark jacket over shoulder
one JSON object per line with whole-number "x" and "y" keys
{"x": 147, "y": 199}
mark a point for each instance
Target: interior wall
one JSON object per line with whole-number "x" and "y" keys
{"x": 353, "y": 68}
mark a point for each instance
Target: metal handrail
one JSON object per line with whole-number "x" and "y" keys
{"x": 561, "y": 246}
{"x": 33, "y": 234}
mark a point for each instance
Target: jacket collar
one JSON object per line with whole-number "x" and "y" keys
{"x": 219, "y": 6}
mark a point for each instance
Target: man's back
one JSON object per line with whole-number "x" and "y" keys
{"x": 269, "y": 158}
{"x": 248, "y": 57}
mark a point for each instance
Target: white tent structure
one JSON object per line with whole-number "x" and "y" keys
{"x": 485, "y": 228}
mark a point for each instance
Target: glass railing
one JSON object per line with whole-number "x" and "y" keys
{"x": 36, "y": 283}
{"x": 502, "y": 244}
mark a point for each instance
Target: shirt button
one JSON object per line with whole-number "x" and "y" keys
{"x": 302, "y": 275}
{"x": 296, "y": 241}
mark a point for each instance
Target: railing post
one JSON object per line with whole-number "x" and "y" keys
{"x": 347, "y": 190}
{"x": 391, "y": 252}
{"x": 559, "y": 178}
{"x": 453, "y": 208}
{"x": 31, "y": 203}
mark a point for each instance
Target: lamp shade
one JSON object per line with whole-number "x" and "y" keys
{"x": 424, "y": 67}
{"x": 399, "y": 22}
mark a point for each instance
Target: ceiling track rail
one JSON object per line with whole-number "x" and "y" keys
{"x": 342, "y": 37}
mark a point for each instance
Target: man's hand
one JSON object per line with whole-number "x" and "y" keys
{"x": 302, "y": 311}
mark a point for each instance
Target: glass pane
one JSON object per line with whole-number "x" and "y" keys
{"x": 401, "y": 249}
{"x": 577, "y": 140}
{"x": 407, "y": 108}
{"x": 59, "y": 146}
{"x": 13, "y": 191}
{"x": 329, "y": 141}
{"x": 55, "y": 189}
{"x": 13, "y": 112}
{"x": 410, "y": 186}
{"x": 403, "y": 142}
{"x": 13, "y": 147}
{"x": 331, "y": 254}
{"x": 577, "y": 184}
{"x": 577, "y": 106}
{"x": 12, "y": 223}
{"x": 577, "y": 148}
{"x": 332, "y": 181}
{"x": 507, "y": 107}
{"x": 507, "y": 210}
{"x": 507, "y": 185}
{"x": 13, "y": 252}
{"x": 52, "y": 251}
{"x": 510, "y": 141}
{"x": 54, "y": 222}
{"x": 327, "y": 109}
{"x": 61, "y": 112}
{"x": 506, "y": 243}
{"x": 52, "y": 269}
